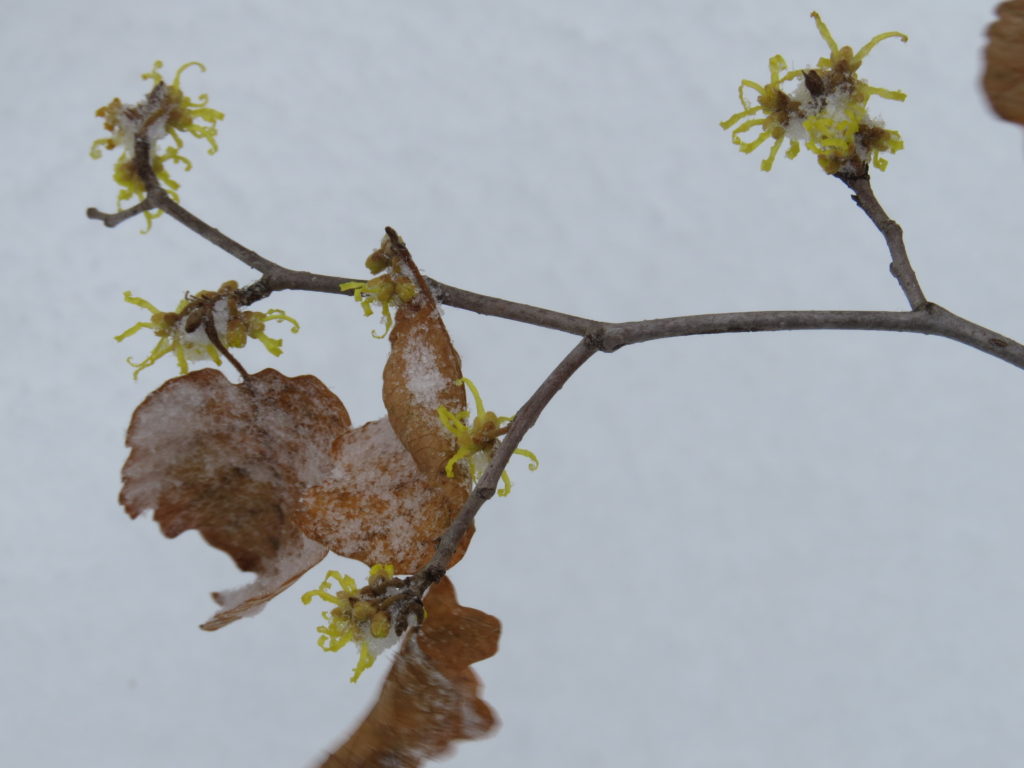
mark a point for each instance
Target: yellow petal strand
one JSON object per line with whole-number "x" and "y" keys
{"x": 859, "y": 56}
{"x": 476, "y": 395}
{"x": 825, "y": 34}
{"x": 749, "y": 146}
{"x": 759, "y": 89}
{"x": 534, "y": 461}
{"x": 182, "y": 68}
{"x": 133, "y": 330}
{"x": 739, "y": 116}
{"x": 885, "y": 93}
{"x": 766, "y": 164}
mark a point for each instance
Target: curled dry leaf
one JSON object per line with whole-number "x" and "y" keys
{"x": 430, "y": 696}
{"x": 229, "y": 461}
{"x": 420, "y": 374}
{"x": 377, "y": 506}
{"x": 1004, "y": 62}
{"x": 388, "y": 500}
{"x": 269, "y": 471}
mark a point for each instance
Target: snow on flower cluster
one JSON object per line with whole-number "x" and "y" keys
{"x": 363, "y": 616}
{"x": 166, "y": 111}
{"x": 826, "y": 111}
{"x": 185, "y": 331}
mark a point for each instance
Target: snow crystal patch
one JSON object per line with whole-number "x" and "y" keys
{"x": 423, "y": 377}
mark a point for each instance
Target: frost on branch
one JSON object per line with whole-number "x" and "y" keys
{"x": 227, "y": 460}
{"x": 430, "y": 697}
{"x": 1004, "y": 62}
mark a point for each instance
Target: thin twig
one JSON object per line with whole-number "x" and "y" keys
{"x": 485, "y": 488}
{"x": 926, "y": 318}
{"x": 113, "y": 219}
{"x": 210, "y": 326}
{"x": 245, "y": 255}
{"x": 510, "y": 310}
{"x": 931, "y": 320}
{"x": 900, "y": 267}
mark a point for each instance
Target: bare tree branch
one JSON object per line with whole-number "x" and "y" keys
{"x": 925, "y": 317}
{"x": 113, "y": 219}
{"x": 931, "y": 319}
{"x": 864, "y": 197}
{"x": 511, "y": 310}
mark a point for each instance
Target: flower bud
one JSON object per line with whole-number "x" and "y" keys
{"x": 380, "y": 624}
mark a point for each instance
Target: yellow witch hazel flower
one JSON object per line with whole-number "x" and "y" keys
{"x": 478, "y": 439}
{"x": 826, "y": 111}
{"x": 364, "y": 616}
{"x": 184, "y": 331}
{"x": 395, "y": 286}
{"x": 166, "y": 111}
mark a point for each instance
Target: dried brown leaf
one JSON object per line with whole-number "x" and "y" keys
{"x": 1004, "y": 62}
{"x": 430, "y": 697}
{"x": 421, "y": 375}
{"x": 230, "y": 460}
{"x": 377, "y": 506}
{"x": 388, "y": 499}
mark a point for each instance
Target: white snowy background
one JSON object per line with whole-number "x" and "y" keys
{"x": 788, "y": 550}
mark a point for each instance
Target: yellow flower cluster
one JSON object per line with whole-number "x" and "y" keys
{"x": 166, "y": 111}
{"x": 184, "y": 331}
{"x": 395, "y": 286}
{"x": 478, "y": 439}
{"x": 826, "y": 111}
{"x": 363, "y": 616}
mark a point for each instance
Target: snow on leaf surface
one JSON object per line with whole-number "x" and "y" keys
{"x": 230, "y": 461}
{"x": 420, "y": 376}
{"x": 270, "y": 472}
{"x": 430, "y": 697}
{"x": 388, "y": 499}
{"x": 377, "y": 506}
